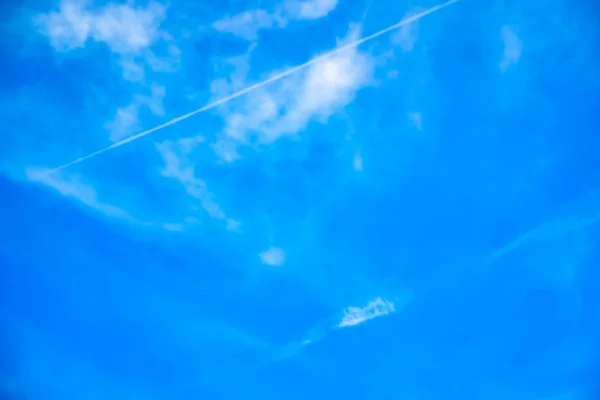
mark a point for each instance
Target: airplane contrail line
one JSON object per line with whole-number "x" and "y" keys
{"x": 256, "y": 86}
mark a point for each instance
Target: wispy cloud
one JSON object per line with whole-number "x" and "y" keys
{"x": 357, "y": 315}
{"x": 406, "y": 36}
{"x": 285, "y": 103}
{"x": 72, "y": 186}
{"x": 121, "y": 27}
{"x": 127, "y": 119}
{"x": 351, "y": 316}
{"x": 273, "y": 256}
{"x": 132, "y": 33}
{"x": 513, "y": 48}
{"x": 357, "y": 162}
{"x": 416, "y": 120}
{"x": 287, "y": 107}
{"x": 378, "y": 307}
{"x": 309, "y": 9}
{"x": 247, "y": 24}
{"x": 548, "y": 230}
{"x": 280, "y": 78}
{"x": 179, "y": 166}
{"x": 126, "y": 30}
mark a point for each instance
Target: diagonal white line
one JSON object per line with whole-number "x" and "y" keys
{"x": 249, "y": 89}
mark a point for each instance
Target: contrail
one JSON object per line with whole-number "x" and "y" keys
{"x": 249, "y": 89}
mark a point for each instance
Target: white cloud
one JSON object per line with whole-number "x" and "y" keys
{"x": 126, "y": 120}
{"x": 352, "y": 316}
{"x": 375, "y": 308}
{"x": 357, "y": 162}
{"x": 173, "y": 227}
{"x": 69, "y": 28}
{"x": 288, "y": 106}
{"x": 132, "y": 70}
{"x": 126, "y": 30}
{"x": 416, "y": 119}
{"x": 309, "y": 9}
{"x": 72, "y": 186}
{"x": 123, "y": 28}
{"x": 82, "y": 191}
{"x": 274, "y": 256}
{"x": 247, "y": 24}
{"x": 236, "y": 70}
{"x": 179, "y": 166}
{"x": 512, "y": 48}
{"x": 406, "y": 36}
{"x": 169, "y": 62}
{"x": 154, "y": 102}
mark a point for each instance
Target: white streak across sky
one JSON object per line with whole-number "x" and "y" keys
{"x": 406, "y": 21}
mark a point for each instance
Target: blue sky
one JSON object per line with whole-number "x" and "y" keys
{"x": 414, "y": 217}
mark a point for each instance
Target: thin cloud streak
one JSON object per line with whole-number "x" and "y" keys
{"x": 256, "y": 86}
{"x": 353, "y": 316}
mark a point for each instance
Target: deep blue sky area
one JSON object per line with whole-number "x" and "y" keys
{"x": 415, "y": 216}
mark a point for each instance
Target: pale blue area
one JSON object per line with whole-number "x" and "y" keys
{"x": 489, "y": 216}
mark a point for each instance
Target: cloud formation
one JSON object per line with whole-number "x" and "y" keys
{"x": 406, "y": 36}
{"x": 179, "y": 166}
{"x": 345, "y": 242}
{"x": 357, "y": 315}
{"x": 288, "y": 106}
{"x": 357, "y": 162}
{"x": 416, "y": 120}
{"x": 247, "y": 24}
{"x": 513, "y": 48}
{"x": 280, "y": 78}
{"x": 127, "y": 119}
{"x": 273, "y": 256}
{"x": 284, "y": 107}
{"x": 309, "y": 9}
{"x": 72, "y": 186}
{"x": 123, "y": 28}
{"x": 127, "y": 31}
{"x": 351, "y": 316}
